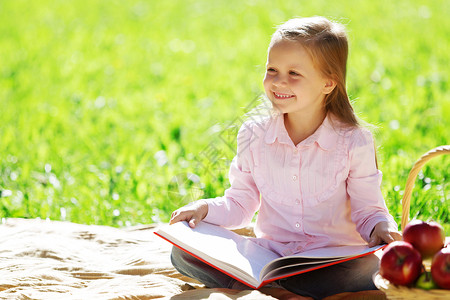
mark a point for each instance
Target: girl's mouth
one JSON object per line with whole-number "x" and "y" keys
{"x": 283, "y": 96}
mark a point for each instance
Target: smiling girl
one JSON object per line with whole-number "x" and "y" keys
{"x": 309, "y": 170}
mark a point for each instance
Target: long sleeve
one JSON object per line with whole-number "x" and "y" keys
{"x": 363, "y": 186}
{"x": 240, "y": 202}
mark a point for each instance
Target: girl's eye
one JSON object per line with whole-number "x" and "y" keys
{"x": 293, "y": 73}
{"x": 271, "y": 70}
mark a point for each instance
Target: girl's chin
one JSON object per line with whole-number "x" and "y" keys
{"x": 282, "y": 101}
{"x": 280, "y": 106}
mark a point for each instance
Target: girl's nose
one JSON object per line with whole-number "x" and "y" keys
{"x": 279, "y": 81}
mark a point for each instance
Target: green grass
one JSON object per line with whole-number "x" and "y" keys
{"x": 108, "y": 108}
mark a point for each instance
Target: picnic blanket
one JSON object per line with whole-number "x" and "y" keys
{"x": 42, "y": 259}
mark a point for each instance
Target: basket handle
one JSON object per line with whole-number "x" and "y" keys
{"x": 412, "y": 177}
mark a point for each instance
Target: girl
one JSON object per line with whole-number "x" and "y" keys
{"x": 310, "y": 169}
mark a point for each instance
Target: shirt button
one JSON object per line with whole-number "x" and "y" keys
{"x": 297, "y": 201}
{"x": 287, "y": 252}
{"x": 294, "y": 177}
{"x": 297, "y": 225}
{"x": 296, "y": 151}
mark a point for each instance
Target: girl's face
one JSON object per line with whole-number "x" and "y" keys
{"x": 292, "y": 82}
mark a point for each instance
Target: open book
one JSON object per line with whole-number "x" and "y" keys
{"x": 248, "y": 262}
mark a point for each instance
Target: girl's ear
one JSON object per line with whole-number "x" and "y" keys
{"x": 330, "y": 84}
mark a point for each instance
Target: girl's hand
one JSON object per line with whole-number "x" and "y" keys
{"x": 382, "y": 233}
{"x": 193, "y": 213}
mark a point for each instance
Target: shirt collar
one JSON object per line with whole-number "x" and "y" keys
{"x": 325, "y": 136}
{"x": 277, "y": 130}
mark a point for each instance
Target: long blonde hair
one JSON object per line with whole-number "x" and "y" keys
{"x": 327, "y": 44}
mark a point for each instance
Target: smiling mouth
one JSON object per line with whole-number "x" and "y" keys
{"x": 283, "y": 96}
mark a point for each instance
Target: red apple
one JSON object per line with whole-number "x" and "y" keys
{"x": 440, "y": 268}
{"x": 401, "y": 263}
{"x": 427, "y": 238}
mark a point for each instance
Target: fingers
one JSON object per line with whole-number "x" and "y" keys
{"x": 193, "y": 213}
{"x": 384, "y": 238}
{"x": 193, "y": 217}
{"x": 175, "y": 217}
{"x": 189, "y": 217}
{"x": 374, "y": 241}
{"x": 382, "y": 233}
{"x": 378, "y": 238}
{"x": 193, "y": 222}
{"x": 397, "y": 236}
{"x": 178, "y": 216}
{"x": 391, "y": 236}
{"x": 172, "y": 217}
{"x": 387, "y": 238}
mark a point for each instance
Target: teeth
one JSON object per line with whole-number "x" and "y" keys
{"x": 282, "y": 96}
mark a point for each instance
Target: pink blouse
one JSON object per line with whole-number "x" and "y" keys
{"x": 323, "y": 192}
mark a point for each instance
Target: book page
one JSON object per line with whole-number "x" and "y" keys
{"x": 302, "y": 266}
{"x": 222, "y": 248}
{"x": 338, "y": 251}
{"x": 314, "y": 259}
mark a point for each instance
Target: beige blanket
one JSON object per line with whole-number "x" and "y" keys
{"x": 60, "y": 260}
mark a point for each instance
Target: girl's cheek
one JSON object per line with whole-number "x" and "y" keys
{"x": 266, "y": 80}
{"x": 294, "y": 80}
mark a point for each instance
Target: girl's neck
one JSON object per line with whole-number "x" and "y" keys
{"x": 300, "y": 127}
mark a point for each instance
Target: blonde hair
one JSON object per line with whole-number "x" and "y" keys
{"x": 327, "y": 44}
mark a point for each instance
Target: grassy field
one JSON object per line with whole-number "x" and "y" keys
{"x": 118, "y": 112}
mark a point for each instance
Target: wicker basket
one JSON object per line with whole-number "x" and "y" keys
{"x": 402, "y": 292}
